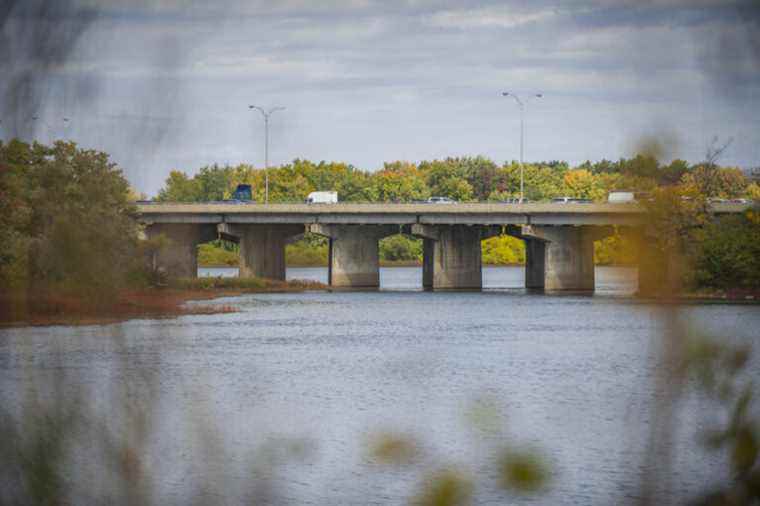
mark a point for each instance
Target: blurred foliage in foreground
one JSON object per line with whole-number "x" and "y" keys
{"x": 688, "y": 248}
{"x": 720, "y": 372}
{"x": 58, "y": 446}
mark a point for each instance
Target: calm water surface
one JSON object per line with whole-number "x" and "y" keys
{"x": 571, "y": 376}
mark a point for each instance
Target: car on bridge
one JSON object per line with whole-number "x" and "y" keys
{"x": 441, "y": 200}
{"x": 621, "y": 197}
{"x": 513, "y": 200}
{"x": 571, "y": 200}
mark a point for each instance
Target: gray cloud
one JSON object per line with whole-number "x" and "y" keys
{"x": 367, "y": 81}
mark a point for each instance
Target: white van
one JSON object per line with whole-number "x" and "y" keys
{"x": 322, "y": 198}
{"x": 621, "y": 197}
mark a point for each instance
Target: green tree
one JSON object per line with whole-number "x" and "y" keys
{"x": 673, "y": 172}
{"x": 641, "y": 166}
{"x": 398, "y": 182}
{"x": 77, "y": 217}
{"x": 214, "y": 183}
{"x": 483, "y": 176}
{"x": 728, "y": 256}
{"x": 15, "y": 215}
{"x": 448, "y": 178}
{"x": 581, "y": 183}
{"x": 179, "y": 188}
{"x": 713, "y": 181}
{"x": 542, "y": 181}
{"x": 400, "y": 248}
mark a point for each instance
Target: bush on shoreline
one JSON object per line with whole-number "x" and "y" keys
{"x": 69, "y": 223}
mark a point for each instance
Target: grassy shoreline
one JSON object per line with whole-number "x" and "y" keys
{"x": 57, "y": 307}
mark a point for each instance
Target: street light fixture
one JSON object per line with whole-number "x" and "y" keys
{"x": 266, "y": 115}
{"x": 522, "y": 104}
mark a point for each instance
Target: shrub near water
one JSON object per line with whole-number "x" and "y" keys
{"x": 728, "y": 256}
{"x": 70, "y": 225}
{"x": 242, "y": 284}
{"x": 216, "y": 283}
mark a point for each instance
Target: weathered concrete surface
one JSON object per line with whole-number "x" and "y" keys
{"x": 535, "y": 264}
{"x": 354, "y": 260}
{"x": 262, "y": 248}
{"x": 452, "y": 258}
{"x": 560, "y": 258}
{"x": 180, "y": 256}
{"x": 396, "y": 214}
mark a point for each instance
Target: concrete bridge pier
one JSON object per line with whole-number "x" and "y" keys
{"x": 354, "y": 260}
{"x": 452, "y": 258}
{"x": 560, "y": 258}
{"x": 179, "y": 258}
{"x": 262, "y": 247}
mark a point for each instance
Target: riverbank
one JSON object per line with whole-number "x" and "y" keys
{"x": 750, "y": 296}
{"x": 46, "y": 308}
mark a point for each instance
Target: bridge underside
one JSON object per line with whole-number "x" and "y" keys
{"x": 558, "y": 258}
{"x": 179, "y": 257}
{"x": 354, "y": 260}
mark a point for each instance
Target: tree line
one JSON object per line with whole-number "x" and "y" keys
{"x": 67, "y": 219}
{"x": 465, "y": 179}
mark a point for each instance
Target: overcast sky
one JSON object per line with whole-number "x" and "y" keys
{"x": 166, "y": 85}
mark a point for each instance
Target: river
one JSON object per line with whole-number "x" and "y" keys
{"x": 279, "y": 399}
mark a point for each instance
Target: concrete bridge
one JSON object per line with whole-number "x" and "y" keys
{"x": 559, "y": 237}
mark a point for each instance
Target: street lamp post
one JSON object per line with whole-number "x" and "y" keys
{"x": 521, "y": 104}
{"x": 266, "y": 115}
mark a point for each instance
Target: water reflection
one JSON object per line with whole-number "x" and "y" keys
{"x": 609, "y": 280}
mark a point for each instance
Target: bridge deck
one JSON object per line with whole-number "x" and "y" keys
{"x": 403, "y": 214}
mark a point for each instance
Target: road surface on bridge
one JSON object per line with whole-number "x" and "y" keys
{"x": 406, "y": 214}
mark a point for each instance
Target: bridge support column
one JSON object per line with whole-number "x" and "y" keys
{"x": 262, "y": 248}
{"x": 535, "y": 263}
{"x": 560, "y": 258}
{"x": 179, "y": 258}
{"x": 354, "y": 259}
{"x": 452, "y": 256}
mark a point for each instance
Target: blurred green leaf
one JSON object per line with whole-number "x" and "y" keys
{"x": 745, "y": 451}
{"x": 524, "y": 472}
{"x": 714, "y": 439}
{"x": 483, "y": 415}
{"x": 446, "y": 487}
{"x": 389, "y": 448}
{"x": 738, "y": 358}
{"x": 740, "y": 410}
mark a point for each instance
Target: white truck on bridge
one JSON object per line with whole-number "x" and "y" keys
{"x": 621, "y": 197}
{"x": 322, "y": 198}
